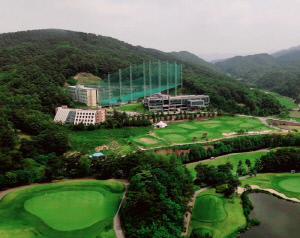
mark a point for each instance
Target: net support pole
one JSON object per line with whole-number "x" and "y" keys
{"x": 144, "y": 74}
{"x": 175, "y": 69}
{"x": 131, "y": 96}
{"x": 181, "y": 69}
{"x": 159, "y": 76}
{"x": 167, "y": 77}
{"x": 120, "y": 80}
{"x": 150, "y": 78}
{"x": 109, "y": 90}
{"x": 99, "y": 94}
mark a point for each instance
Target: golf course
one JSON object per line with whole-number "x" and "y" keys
{"x": 288, "y": 184}
{"x": 215, "y": 214}
{"x": 197, "y": 131}
{"x": 66, "y": 209}
{"x": 232, "y": 158}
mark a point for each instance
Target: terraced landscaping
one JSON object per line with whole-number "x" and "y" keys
{"x": 67, "y": 210}
{"x": 216, "y": 215}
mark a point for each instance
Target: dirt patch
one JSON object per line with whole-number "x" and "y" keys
{"x": 147, "y": 140}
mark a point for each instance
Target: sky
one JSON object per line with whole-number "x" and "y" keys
{"x": 209, "y": 28}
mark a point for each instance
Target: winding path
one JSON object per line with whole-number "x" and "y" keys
{"x": 187, "y": 217}
{"x": 117, "y": 222}
{"x": 241, "y": 190}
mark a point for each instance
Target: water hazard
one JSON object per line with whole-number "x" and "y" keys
{"x": 279, "y": 218}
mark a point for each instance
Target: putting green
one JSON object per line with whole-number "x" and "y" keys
{"x": 209, "y": 208}
{"x": 290, "y": 184}
{"x": 246, "y": 125}
{"x": 69, "y": 210}
{"x": 188, "y": 126}
{"x": 174, "y": 137}
{"x": 211, "y": 125}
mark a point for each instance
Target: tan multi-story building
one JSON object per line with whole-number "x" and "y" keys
{"x": 82, "y": 94}
{"x": 77, "y": 116}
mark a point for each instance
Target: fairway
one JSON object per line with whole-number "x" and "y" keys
{"x": 216, "y": 215}
{"x": 232, "y": 158}
{"x": 209, "y": 208}
{"x": 290, "y": 184}
{"x": 66, "y": 209}
{"x": 197, "y": 131}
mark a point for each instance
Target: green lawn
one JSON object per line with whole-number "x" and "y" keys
{"x": 215, "y": 214}
{"x": 285, "y": 101}
{"x": 67, "y": 210}
{"x": 234, "y": 159}
{"x": 90, "y": 140}
{"x": 288, "y": 184}
{"x": 134, "y": 107}
{"x": 217, "y": 127}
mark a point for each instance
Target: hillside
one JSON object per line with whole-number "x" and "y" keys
{"x": 248, "y": 67}
{"x": 34, "y": 66}
{"x": 279, "y": 72}
{"x": 189, "y": 57}
{"x": 285, "y": 52}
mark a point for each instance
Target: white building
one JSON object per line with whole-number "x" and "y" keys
{"x": 77, "y": 116}
{"x": 82, "y": 94}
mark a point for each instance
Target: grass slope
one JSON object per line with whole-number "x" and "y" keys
{"x": 287, "y": 184}
{"x": 285, "y": 101}
{"x": 92, "y": 139}
{"x": 234, "y": 159}
{"x": 134, "y": 107}
{"x": 217, "y": 127}
{"x": 209, "y": 208}
{"x": 67, "y": 210}
{"x": 220, "y": 228}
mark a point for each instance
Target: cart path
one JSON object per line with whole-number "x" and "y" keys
{"x": 187, "y": 217}
{"x": 117, "y": 219}
{"x": 117, "y": 222}
{"x": 241, "y": 190}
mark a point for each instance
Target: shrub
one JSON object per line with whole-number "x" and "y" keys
{"x": 255, "y": 222}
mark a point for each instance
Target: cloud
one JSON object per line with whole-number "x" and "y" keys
{"x": 199, "y": 26}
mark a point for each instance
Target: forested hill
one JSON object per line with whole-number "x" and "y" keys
{"x": 279, "y": 72}
{"x": 189, "y": 57}
{"x": 34, "y": 65}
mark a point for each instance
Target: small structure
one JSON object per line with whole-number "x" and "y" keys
{"x": 98, "y": 154}
{"x": 161, "y": 124}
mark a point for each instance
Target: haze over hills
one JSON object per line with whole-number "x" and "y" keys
{"x": 285, "y": 52}
{"x": 192, "y": 58}
{"x": 279, "y": 72}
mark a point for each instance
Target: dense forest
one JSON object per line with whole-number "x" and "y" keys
{"x": 279, "y": 72}
{"x": 34, "y": 66}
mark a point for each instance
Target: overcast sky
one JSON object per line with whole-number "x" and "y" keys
{"x": 199, "y": 26}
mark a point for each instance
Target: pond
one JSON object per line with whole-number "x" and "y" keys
{"x": 279, "y": 218}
